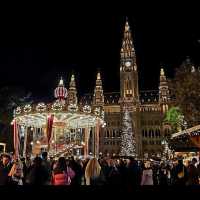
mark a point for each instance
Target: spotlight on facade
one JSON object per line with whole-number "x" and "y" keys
{"x": 38, "y": 142}
{"x": 32, "y": 143}
{"x": 52, "y": 141}
{"x": 31, "y": 128}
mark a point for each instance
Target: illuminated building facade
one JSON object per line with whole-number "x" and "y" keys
{"x": 147, "y": 108}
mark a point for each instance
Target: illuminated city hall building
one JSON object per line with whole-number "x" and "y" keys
{"x": 147, "y": 108}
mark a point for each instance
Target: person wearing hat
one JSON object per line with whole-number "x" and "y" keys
{"x": 5, "y": 167}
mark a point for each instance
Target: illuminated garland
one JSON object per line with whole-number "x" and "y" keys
{"x": 27, "y": 108}
{"x": 57, "y": 106}
{"x": 73, "y": 108}
{"x": 87, "y": 109}
{"x": 97, "y": 111}
{"x": 195, "y": 133}
{"x": 102, "y": 114}
{"x": 41, "y": 107}
{"x": 18, "y": 110}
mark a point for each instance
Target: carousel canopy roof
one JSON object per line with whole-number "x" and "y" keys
{"x": 71, "y": 116}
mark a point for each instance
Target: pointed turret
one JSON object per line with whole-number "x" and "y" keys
{"x": 128, "y": 67}
{"x": 72, "y": 93}
{"x": 163, "y": 91}
{"x": 61, "y": 83}
{"x": 98, "y": 98}
{"x": 60, "y": 92}
{"x": 128, "y": 58}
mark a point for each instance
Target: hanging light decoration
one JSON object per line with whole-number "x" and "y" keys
{"x": 72, "y": 107}
{"x": 27, "y": 108}
{"x": 87, "y": 109}
{"x": 18, "y": 110}
{"x": 97, "y": 111}
{"x": 41, "y": 107}
{"x": 57, "y": 106}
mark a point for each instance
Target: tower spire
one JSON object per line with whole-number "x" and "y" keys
{"x": 98, "y": 98}
{"x": 72, "y": 94}
{"x": 163, "y": 91}
{"x": 128, "y": 67}
{"x": 127, "y": 49}
{"x": 61, "y": 81}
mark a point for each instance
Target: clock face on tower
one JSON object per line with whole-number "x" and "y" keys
{"x": 128, "y": 64}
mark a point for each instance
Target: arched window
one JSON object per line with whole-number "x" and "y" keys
{"x": 149, "y": 133}
{"x": 155, "y": 133}
{"x": 107, "y": 133}
{"x": 114, "y": 135}
{"x": 142, "y": 133}
{"x": 152, "y": 133}
{"x": 159, "y": 133}
{"x": 110, "y": 133}
{"x": 146, "y": 134}
{"x": 118, "y": 132}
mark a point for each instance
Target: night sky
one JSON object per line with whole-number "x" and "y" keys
{"x": 37, "y": 48}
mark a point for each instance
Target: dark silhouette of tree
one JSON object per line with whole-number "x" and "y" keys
{"x": 185, "y": 88}
{"x": 10, "y": 98}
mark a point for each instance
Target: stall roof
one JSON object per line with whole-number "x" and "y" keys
{"x": 186, "y": 131}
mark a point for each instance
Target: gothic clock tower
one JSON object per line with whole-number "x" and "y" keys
{"x": 129, "y": 92}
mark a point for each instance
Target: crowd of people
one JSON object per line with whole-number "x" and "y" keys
{"x": 123, "y": 172}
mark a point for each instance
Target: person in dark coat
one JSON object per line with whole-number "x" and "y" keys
{"x": 198, "y": 167}
{"x": 46, "y": 163}
{"x": 155, "y": 169}
{"x": 193, "y": 176}
{"x": 132, "y": 173}
{"x": 77, "y": 168}
{"x": 38, "y": 174}
{"x": 123, "y": 172}
{"x": 114, "y": 176}
{"x": 163, "y": 175}
{"x": 5, "y": 167}
{"x": 180, "y": 174}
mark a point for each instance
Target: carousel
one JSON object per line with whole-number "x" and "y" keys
{"x": 61, "y": 127}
